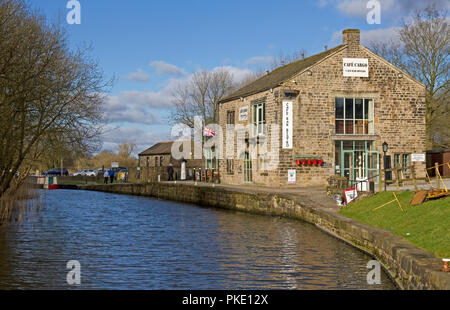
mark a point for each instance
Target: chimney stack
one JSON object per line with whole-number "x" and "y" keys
{"x": 351, "y": 37}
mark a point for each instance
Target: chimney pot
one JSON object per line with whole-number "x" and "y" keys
{"x": 351, "y": 37}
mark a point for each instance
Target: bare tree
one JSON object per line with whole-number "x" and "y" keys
{"x": 249, "y": 78}
{"x": 282, "y": 59}
{"x": 423, "y": 51}
{"x": 201, "y": 96}
{"x": 48, "y": 92}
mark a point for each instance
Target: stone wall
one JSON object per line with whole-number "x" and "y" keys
{"x": 409, "y": 266}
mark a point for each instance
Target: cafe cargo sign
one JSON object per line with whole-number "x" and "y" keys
{"x": 358, "y": 67}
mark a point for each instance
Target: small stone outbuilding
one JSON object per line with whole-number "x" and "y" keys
{"x": 154, "y": 162}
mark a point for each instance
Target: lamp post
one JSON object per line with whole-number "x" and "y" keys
{"x": 385, "y": 149}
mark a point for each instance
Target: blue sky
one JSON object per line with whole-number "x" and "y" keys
{"x": 151, "y": 45}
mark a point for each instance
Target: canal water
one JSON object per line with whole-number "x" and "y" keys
{"x": 127, "y": 242}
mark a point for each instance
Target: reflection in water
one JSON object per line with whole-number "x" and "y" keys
{"x": 126, "y": 242}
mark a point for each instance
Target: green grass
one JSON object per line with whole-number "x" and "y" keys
{"x": 426, "y": 225}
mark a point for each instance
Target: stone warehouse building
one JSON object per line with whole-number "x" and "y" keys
{"x": 333, "y": 110}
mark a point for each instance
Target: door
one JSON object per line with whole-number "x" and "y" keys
{"x": 360, "y": 160}
{"x": 348, "y": 166}
{"x": 373, "y": 165}
{"x": 387, "y": 165}
{"x": 247, "y": 168}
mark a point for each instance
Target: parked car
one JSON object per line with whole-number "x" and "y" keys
{"x": 56, "y": 172}
{"x": 90, "y": 173}
{"x": 86, "y": 172}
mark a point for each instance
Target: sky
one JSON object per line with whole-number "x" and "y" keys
{"x": 149, "y": 46}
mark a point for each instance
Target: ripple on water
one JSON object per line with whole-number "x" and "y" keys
{"x": 126, "y": 242}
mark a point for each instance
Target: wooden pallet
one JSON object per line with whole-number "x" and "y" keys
{"x": 419, "y": 198}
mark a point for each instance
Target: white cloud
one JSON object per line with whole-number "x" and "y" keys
{"x": 259, "y": 60}
{"x": 160, "y": 99}
{"x": 238, "y": 74}
{"x": 132, "y": 113}
{"x": 391, "y": 8}
{"x": 380, "y": 35}
{"x": 143, "y": 138}
{"x": 162, "y": 68}
{"x": 137, "y": 107}
{"x": 138, "y": 76}
{"x": 147, "y": 107}
{"x": 353, "y": 7}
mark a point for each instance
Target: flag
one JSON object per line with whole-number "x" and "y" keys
{"x": 208, "y": 133}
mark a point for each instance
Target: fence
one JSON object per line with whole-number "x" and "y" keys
{"x": 408, "y": 174}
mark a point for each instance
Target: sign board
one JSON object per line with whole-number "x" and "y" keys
{"x": 350, "y": 195}
{"x": 358, "y": 67}
{"x": 292, "y": 176}
{"x": 287, "y": 124}
{"x": 243, "y": 113}
{"x": 114, "y": 165}
{"x": 417, "y": 157}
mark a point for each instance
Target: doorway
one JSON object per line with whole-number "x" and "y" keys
{"x": 356, "y": 160}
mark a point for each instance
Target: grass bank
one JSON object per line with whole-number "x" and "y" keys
{"x": 426, "y": 226}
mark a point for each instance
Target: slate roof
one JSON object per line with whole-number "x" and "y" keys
{"x": 279, "y": 75}
{"x": 160, "y": 148}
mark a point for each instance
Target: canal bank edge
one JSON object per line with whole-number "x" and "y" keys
{"x": 409, "y": 266}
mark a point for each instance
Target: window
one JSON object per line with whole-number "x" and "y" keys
{"x": 401, "y": 161}
{"x": 230, "y": 117}
{"x": 397, "y": 161}
{"x": 259, "y": 118}
{"x": 211, "y": 160}
{"x": 156, "y": 161}
{"x": 230, "y": 166}
{"x": 148, "y": 161}
{"x": 161, "y": 161}
{"x": 354, "y": 116}
{"x": 405, "y": 163}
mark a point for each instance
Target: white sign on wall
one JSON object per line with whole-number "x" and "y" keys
{"x": 114, "y": 165}
{"x": 292, "y": 176}
{"x": 287, "y": 124}
{"x": 243, "y": 113}
{"x": 358, "y": 67}
{"x": 417, "y": 157}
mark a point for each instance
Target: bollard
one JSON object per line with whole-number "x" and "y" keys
{"x": 372, "y": 186}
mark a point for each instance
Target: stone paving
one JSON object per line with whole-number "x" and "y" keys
{"x": 315, "y": 194}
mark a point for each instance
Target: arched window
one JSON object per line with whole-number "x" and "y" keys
{"x": 156, "y": 161}
{"x": 161, "y": 161}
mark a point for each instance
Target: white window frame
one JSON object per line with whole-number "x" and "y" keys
{"x": 258, "y": 123}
